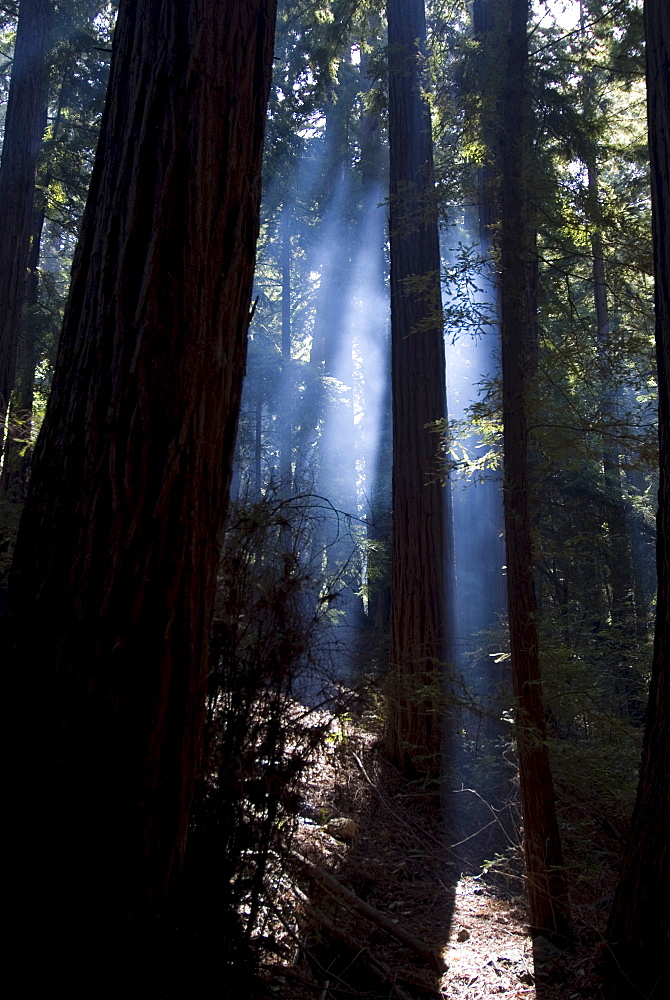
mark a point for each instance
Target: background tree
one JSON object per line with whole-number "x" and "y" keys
{"x": 639, "y": 926}
{"x": 79, "y": 67}
{"x": 419, "y": 649}
{"x": 546, "y": 888}
{"x": 118, "y": 549}
{"x": 24, "y": 124}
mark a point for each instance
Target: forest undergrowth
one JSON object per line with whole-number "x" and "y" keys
{"x": 371, "y": 848}
{"x": 314, "y": 867}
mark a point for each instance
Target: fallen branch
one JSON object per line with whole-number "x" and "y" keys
{"x": 376, "y": 916}
{"x": 423, "y": 835}
{"x": 376, "y": 968}
{"x": 419, "y": 833}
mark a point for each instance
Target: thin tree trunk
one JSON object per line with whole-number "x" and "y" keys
{"x": 374, "y": 178}
{"x": 639, "y": 925}
{"x": 16, "y": 462}
{"x": 258, "y": 444}
{"x": 421, "y": 543}
{"x": 112, "y": 587}
{"x": 285, "y": 399}
{"x": 620, "y": 560}
{"x": 486, "y": 26}
{"x": 546, "y": 889}
{"x": 24, "y": 125}
{"x": 17, "y": 454}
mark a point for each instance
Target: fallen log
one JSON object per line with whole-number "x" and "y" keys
{"x": 388, "y": 924}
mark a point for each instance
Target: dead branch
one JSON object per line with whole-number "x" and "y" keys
{"x": 494, "y": 812}
{"x": 376, "y": 968}
{"x": 376, "y": 916}
{"x": 423, "y": 835}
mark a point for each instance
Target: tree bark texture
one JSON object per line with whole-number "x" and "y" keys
{"x": 113, "y": 582}
{"x": 547, "y": 895}
{"x": 24, "y": 124}
{"x": 421, "y": 543}
{"x": 639, "y": 926}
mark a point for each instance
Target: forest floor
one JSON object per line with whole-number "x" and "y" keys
{"x": 377, "y": 898}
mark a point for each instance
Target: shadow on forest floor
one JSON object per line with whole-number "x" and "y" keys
{"x": 380, "y": 901}
{"x": 373, "y": 886}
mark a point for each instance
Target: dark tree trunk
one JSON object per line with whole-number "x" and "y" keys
{"x": 258, "y": 445}
{"x": 336, "y": 250}
{"x": 621, "y": 573}
{"x": 285, "y": 444}
{"x": 419, "y": 610}
{"x": 621, "y": 570}
{"x": 113, "y": 581}
{"x": 487, "y": 26}
{"x": 478, "y": 539}
{"x": 17, "y": 451}
{"x": 639, "y": 926}
{"x": 374, "y": 180}
{"x": 547, "y": 896}
{"x": 16, "y": 461}
{"x": 24, "y": 125}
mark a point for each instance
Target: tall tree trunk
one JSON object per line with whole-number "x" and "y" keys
{"x": 335, "y": 241}
{"x": 621, "y": 570}
{"x": 486, "y": 26}
{"x": 17, "y": 453}
{"x": 478, "y": 537}
{"x": 421, "y": 543}
{"x": 639, "y": 925}
{"x": 546, "y": 889}
{"x": 285, "y": 400}
{"x": 622, "y": 584}
{"x": 258, "y": 444}
{"x": 112, "y": 587}
{"x": 24, "y": 125}
{"x": 16, "y": 462}
{"x": 374, "y": 180}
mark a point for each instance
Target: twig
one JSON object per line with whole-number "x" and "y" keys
{"x": 378, "y": 969}
{"x": 396, "y": 930}
{"x": 303, "y": 947}
{"x": 475, "y": 834}
{"x": 422, "y": 835}
{"x": 408, "y": 826}
{"x": 325, "y": 990}
{"x": 488, "y": 805}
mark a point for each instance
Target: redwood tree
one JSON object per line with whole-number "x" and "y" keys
{"x": 419, "y": 615}
{"x": 639, "y": 926}
{"x": 115, "y": 565}
{"x": 24, "y": 124}
{"x": 546, "y": 888}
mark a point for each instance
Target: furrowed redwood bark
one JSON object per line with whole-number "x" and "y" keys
{"x": 421, "y": 542}
{"x": 545, "y": 882}
{"x": 24, "y": 124}
{"x": 639, "y": 925}
{"x": 113, "y": 581}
